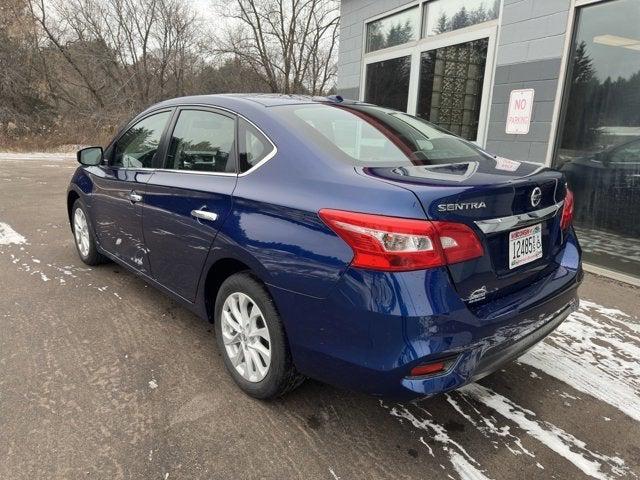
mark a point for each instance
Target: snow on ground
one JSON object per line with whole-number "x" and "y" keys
{"x": 9, "y": 236}
{"x": 23, "y": 156}
{"x": 27, "y": 263}
{"x": 464, "y": 464}
{"x": 596, "y": 351}
{"x": 555, "y": 438}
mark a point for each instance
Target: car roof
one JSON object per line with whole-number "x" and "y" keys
{"x": 264, "y": 99}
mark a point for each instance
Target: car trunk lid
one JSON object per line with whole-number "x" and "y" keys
{"x": 494, "y": 197}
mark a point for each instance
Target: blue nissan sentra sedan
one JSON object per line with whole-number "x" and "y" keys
{"x": 338, "y": 240}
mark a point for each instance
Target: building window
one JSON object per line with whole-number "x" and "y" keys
{"x": 447, "y": 15}
{"x": 599, "y": 138}
{"x": 393, "y": 30}
{"x": 387, "y": 83}
{"x": 450, "y": 90}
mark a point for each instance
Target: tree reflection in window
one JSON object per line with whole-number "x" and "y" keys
{"x": 599, "y": 133}
{"x": 393, "y": 30}
{"x": 387, "y": 83}
{"x": 137, "y": 147}
{"x": 447, "y": 15}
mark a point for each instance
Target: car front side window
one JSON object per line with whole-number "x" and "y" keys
{"x": 202, "y": 141}
{"x": 138, "y": 146}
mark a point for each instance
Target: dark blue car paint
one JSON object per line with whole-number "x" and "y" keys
{"x": 355, "y": 328}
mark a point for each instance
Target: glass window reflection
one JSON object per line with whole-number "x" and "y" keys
{"x": 599, "y": 140}
{"x": 387, "y": 83}
{"x": 450, "y": 91}
{"x": 393, "y": 30}
{"x": 447, "y": 15}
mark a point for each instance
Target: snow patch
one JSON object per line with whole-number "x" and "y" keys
{"x": 561, "y": 442}
{"x": 464, "y": 464}
{"x": 488, "y": 426}
{"x": 9, "y": 236}
{"x": 465, "y": 470}
{"x": 596, "y": 352}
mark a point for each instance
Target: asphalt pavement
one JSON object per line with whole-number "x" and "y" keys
{"x": 102, "y": 376}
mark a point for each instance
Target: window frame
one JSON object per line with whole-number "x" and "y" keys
{"x": 403, "y": 8}
{"x": 416, "y": 48}
{"x": 240, "y": 142}
{"x": 385, "y": 59}
{"x": 215, "y": 109}
{"x": 483, "y": 112}
{"x": 110, "y": 150}
{"x": 172, "y": 126}
{"x": 562, "y": 90}
{"x": 164, "y": 141}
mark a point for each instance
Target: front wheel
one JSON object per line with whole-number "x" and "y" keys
{"x": 83, "y": 235}
{"x": 251, "y": 338}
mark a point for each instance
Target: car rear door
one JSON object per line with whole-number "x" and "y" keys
{"x": 189, "y": 197}
{"x": 119, "y": 188}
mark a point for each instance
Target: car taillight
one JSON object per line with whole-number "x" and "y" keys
{"x": 401, "y": 244}
{"x": 567, "y": 210}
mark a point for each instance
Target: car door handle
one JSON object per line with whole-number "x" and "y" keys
{"x": 204, "y": 215}
{"x": 134, "y": 197}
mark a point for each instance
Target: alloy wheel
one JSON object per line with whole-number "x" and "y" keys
{"x": 81, "y": 232}
{"x": 246, "y": 337}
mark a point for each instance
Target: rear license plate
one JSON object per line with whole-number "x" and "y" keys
{"x": 525, "y": 245}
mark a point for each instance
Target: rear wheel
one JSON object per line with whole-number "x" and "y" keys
{"x": 251, "y": 338}
{"x": 84, "y": 237}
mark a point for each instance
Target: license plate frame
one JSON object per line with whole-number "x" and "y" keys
{"x": 525, "y": 245}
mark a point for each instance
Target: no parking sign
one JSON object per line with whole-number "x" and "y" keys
{"x": 520, "y": 108}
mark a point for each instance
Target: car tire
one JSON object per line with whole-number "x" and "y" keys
{"x": 83, "y": 236}
{"x": 241, "y": 344}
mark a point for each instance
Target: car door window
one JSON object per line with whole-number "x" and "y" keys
{"x": 254, "y": 146}
{"x": 138, "y": 146}
{"x": 202, "y": 141}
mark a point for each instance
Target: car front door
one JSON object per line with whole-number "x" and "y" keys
{"x": 188, "y": 199}
{"x": 120, "y": 188}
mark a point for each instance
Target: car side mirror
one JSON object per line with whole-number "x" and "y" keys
{"x": 90, "y": 156}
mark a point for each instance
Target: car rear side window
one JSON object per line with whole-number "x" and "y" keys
{"x": 138, "y": 146}
{"x": 202, "y": 141}
{"x": 373, "y": 136}
{"x": 254, "y": 146}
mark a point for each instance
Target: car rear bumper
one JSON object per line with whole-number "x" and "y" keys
{"x": 376, "y": 326}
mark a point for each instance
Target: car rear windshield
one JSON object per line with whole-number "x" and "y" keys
{"x": 367, "y": 135}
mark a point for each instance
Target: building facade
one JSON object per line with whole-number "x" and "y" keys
{"x": 555, "y": 82}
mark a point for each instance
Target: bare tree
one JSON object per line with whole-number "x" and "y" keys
{"x": 72, "y": 70}
{"x": 122, "y": 52}
{"x": 290, "y": 44}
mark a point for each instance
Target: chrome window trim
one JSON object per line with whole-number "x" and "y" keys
{"x": 266, "y": 158}
{"x": 143, "y": 169}
{"x": 494, "y": 225}
{"x": 226, "y": 174}
{"x": 197, "y": 172}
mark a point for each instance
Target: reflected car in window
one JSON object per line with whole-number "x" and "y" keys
{"x": 332, "y": 239}
{"x": 606, "y": 179}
